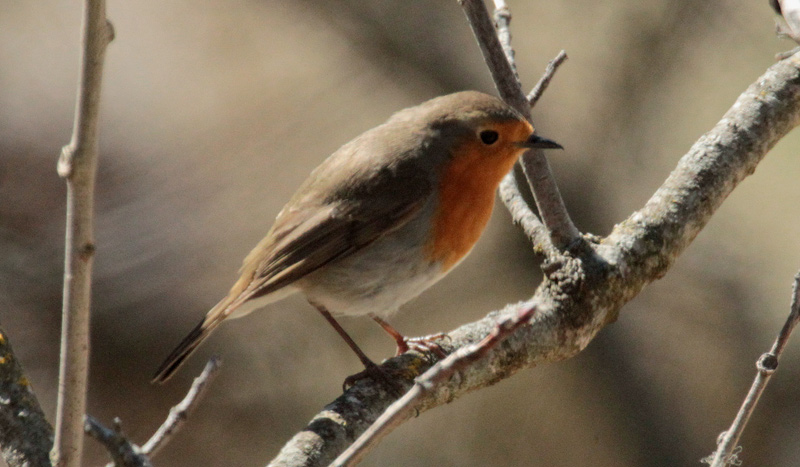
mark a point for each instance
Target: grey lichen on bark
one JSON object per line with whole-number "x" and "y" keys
{"x": 25, "y": 434}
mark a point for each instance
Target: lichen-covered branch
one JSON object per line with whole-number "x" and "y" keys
{"x": 25, "y": 434}
{"x": 585, "y": 288}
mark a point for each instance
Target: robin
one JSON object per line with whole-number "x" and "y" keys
{"x": 383, "y": 218}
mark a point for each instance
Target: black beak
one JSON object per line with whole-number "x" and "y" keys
{"x": 537, "y": 142}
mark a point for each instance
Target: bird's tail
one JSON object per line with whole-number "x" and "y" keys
{"x": 190, "y": 343}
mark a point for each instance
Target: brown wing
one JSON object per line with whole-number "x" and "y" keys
{"x": 310, "y": 233}
{"x": 319, "y": 238}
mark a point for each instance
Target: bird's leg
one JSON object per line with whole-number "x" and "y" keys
{"x": 360, "y": 353}
{"x": 371, "y": 369}
{"x": 420, "y": 344}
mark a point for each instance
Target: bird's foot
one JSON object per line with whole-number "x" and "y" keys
{"x": 390, "y": 380}
{"x": 422, "y": 344}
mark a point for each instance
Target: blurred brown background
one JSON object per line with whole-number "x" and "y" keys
{"x": 214, "y": 111}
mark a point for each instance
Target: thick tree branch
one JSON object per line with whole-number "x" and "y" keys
{"x": 25, "y": 434}
{"x": 766, "y": 366}
{"x": 552, "y": 210}
{"x": 78, "y": 165}
{"x": 585, "y": 290}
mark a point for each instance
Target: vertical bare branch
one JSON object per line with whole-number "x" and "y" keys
{"x": 78, "y": 165}
{"x": 502, "y": 72}
{"x": 767, "y": 364}
{"x": 26, "y": 437}
{"x": 563, "y": 232}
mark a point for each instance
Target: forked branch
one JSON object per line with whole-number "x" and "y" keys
{"x": 562, "y": 232}
{"x": 127, "y": 454}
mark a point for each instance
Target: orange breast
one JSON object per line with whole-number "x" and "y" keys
{"x": 466, "y": 196}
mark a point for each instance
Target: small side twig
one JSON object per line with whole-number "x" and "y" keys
{"x": 544, "y": 81}
{"x": 767, "y": 364}
{"x": 179, "y": 413}
{"x": 127, "y": 454}
{"x": 402, "y": 409}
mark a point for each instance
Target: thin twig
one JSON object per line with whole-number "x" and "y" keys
{"x": 124, "y": 452}
{"x": 179, "y": 413}
{"x": 404, "y": 407}
{"x": 78, "y": 165}
{"x": 555, "y": 217}
{"x": 509, "y": 189}
{"x": 521, "y": 212}
{"x": 766, "y": 365}
{"x": 544, "y": 81}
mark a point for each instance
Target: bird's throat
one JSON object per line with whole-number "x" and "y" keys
{"x": 466, "y": 199}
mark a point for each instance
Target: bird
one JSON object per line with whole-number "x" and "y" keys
{"x": 382, "y": 219}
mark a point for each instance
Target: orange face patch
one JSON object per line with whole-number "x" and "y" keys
{"x": 466, "y": 191}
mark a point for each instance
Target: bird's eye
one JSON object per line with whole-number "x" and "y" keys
{"x": 488, "y": 137}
